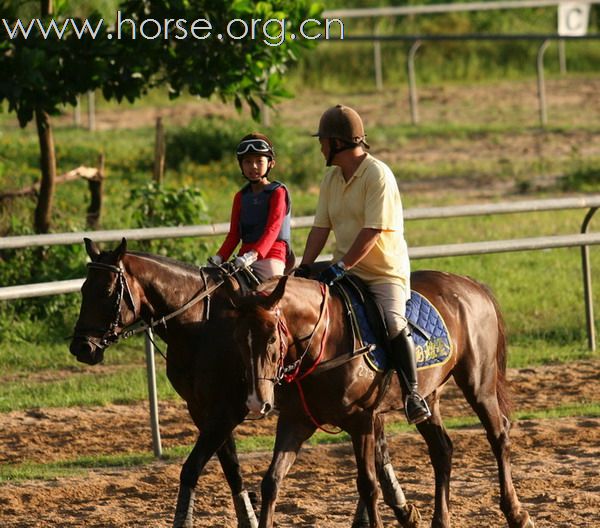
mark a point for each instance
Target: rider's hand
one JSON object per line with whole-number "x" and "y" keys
{"x": 214, "y": 262}
{"x": 246, "y": 259}
{"x": 302, "y": 271}
{"x": 333, "y": 273}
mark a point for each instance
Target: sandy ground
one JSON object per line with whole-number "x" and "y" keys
{"x": 555, "y": 466}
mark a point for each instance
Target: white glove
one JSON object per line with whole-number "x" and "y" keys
{"x": 214, "y": 262}
{"x": 246, "y": 259}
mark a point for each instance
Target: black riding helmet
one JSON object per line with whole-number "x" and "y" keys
{"x": 255, "y": 143}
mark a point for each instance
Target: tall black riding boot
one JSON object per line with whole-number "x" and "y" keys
{"x": 405, "y": 362}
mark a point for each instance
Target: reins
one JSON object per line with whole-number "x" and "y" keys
{"x": 111, "y": 336}
{"x": 291, "y": 373}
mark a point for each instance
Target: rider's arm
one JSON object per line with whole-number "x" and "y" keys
{"x": 314, "y": 244}
{"x": 233, "y": 237}
{"x": 363, "y": 243}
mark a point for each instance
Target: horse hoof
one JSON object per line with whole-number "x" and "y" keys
{"x": 412, "y": 517}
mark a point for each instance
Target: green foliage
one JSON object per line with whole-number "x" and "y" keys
{"x": 206, "y": 140}
{"x": 165, "y": 206}
{"x": 155, "y": 205}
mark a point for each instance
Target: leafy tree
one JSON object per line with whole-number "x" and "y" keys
{"x": 40, "y": 74}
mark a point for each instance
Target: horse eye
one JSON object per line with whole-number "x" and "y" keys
{"x": 271, "y": 340}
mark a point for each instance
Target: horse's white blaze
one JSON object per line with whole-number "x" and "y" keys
{"x": 252, "y": 402}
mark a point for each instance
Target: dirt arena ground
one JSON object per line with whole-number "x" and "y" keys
{"x": 555, "y": 466}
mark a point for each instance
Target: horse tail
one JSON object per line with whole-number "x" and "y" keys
{"x": 502, "y": 386}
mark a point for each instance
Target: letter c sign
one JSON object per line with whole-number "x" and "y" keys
{"x": 573, "y": 19}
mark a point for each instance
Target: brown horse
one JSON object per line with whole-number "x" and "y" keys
{"x": 293, "y": 325}
{"x": 203, "y": 363}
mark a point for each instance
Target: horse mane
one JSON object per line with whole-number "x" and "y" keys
{"x": 168, "y": 261}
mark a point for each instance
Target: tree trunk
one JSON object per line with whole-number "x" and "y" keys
{"x": 43, "y": 210}
{"x": 46, "y": 7}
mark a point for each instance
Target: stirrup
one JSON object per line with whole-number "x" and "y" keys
{"x": 421, "y": 407}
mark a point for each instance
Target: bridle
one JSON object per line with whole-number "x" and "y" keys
{"x": 291, "y": 372}
{"x": 112, "y": 334}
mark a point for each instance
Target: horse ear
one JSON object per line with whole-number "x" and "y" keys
{"x": 275, "y": 296}
{"x": 232, "y": 292}
{"x": 92, "y": 249}
{"x": 119, "y": 253}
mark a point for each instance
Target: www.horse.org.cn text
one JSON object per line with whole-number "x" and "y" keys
{"x": 271, "y": 31}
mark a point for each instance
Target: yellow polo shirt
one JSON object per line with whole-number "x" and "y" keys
{"x": 369, "y": 199}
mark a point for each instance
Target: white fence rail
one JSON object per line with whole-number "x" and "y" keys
{"x": 583, "y": 240}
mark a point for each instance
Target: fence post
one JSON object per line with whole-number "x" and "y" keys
{"x": 540, "y": 82}
{"x": 562, "y": 56}
{"x": 159, "y": 152}
{"x": 412, "y": 83}
{"x": 152, "y": 398}
{"x": 587, "y": 284}
{"x": 378, "y": 65}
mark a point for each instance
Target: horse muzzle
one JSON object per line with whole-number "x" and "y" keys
{"x": 258, "y": 408}
{"x": 86, "y": 351}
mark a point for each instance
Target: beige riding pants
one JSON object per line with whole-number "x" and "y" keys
{"x": 266, "y": 268}
{"x": 392, "y": 299}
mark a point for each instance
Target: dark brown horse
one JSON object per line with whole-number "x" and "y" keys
{"x": 290, "y": 327}
{"x": 122, "y": 288}
{"x": 203, "y": 363}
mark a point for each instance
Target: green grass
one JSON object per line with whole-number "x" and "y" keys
{"x": 126, "y": 385}
{"x": 81, "y": 465}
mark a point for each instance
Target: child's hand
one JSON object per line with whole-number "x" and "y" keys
{"x": 246, "y": 259}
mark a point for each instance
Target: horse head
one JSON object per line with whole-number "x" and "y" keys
{"x": 107, "y": 304}
{"x": 261, "y": 339}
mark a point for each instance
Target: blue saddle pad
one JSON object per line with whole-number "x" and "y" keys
{"x": 429, "y": 331}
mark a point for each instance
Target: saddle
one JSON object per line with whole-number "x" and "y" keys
{"x": 365, "y": 317}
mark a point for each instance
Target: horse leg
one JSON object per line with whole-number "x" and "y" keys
{"x": 484, "y": 401}
{"x": 407, "y": 514}
{"x": 206, "y": 445}
{"x": 440, "y": 453}
{"x": 244, "y": 510}
{"x": 289, "y": 438}
{"x": 363, "y": 441}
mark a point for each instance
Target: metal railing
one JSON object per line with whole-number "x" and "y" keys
{"x": 443, "y": 8}
{"x": 416, "y": 41}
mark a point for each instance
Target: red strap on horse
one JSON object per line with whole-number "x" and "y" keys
{"x": 283, "y": 327}
{"x": 294, "y": 375}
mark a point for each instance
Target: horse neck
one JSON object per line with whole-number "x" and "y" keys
{"x": 162, "y": 286}
{"x": 302, "y": 307}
